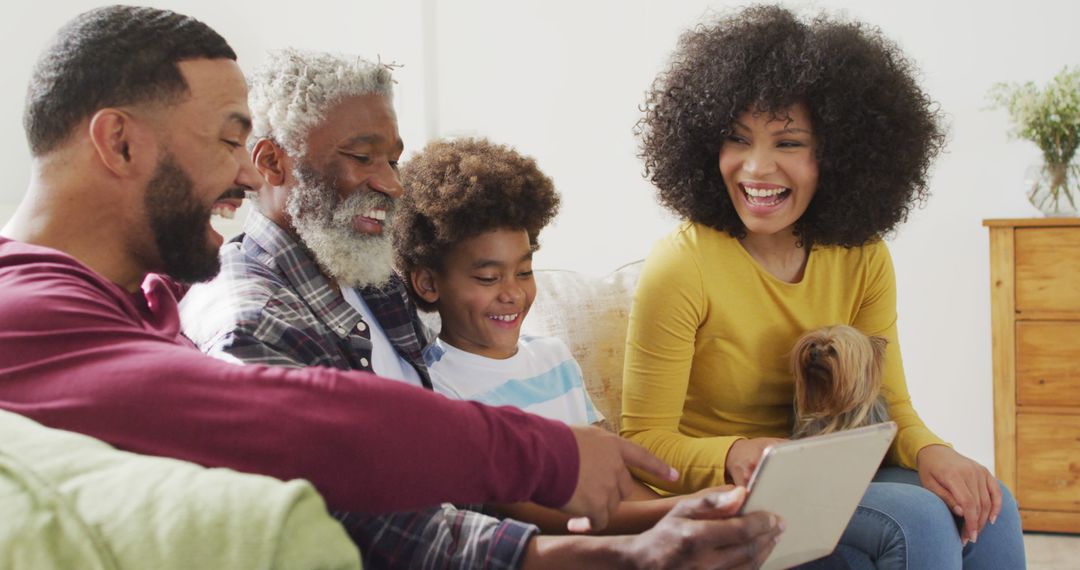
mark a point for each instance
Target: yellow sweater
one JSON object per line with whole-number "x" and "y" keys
{"x": 709, "y": 340}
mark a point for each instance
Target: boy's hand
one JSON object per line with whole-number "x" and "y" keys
{"x": 603, "y": 478}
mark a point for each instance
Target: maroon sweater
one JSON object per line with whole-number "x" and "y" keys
{"x": 80, "y": 353}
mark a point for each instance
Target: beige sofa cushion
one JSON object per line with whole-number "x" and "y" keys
{"x": 590, "y": 315}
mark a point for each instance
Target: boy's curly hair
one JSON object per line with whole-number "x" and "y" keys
{"x": 458, "y": 189}
{"x": 876, "y": 130}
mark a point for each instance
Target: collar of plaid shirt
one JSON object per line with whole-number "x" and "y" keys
{"x": 270, "y": 245}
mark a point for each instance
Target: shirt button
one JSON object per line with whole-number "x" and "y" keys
{"x": 364, "y": 362}
{"x": 360, "y": 326}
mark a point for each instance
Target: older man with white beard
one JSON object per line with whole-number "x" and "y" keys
{"x": 310, "y": 282}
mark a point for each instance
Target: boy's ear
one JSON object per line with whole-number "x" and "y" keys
{"x": 423, "y": 283}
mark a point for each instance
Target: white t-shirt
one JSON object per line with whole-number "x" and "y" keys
{"x": 541, "y": 378}
{"x": 385, "y": 361}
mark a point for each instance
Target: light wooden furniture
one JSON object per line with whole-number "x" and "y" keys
{"x": 1035, "y": 308}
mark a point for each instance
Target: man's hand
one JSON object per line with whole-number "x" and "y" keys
{"x": 969, "y": 489}
{"x": 700, "y": 532}
{"x": 744, "y": 456}
{"x": 704, "y": 533}
{"x": 603, "y": 478}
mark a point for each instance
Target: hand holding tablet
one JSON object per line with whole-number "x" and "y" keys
{"x": 814, "y": 485}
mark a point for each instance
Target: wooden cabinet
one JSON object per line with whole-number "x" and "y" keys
{"x": 1035, "y": 308}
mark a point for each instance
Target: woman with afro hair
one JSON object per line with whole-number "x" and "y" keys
{"x": 790, "y": 147}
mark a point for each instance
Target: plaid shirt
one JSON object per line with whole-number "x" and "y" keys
{"x": 270, "y": 304}
{"x": 439, "y": 537}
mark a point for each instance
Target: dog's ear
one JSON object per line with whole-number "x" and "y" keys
{"x": 879, "y": 343}
{"x": 799, "y": 356}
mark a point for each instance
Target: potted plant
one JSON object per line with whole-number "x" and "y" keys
{"x": 1050, "y": 118}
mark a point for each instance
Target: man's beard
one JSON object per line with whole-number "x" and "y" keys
{"x": 324, "y": 223}
{"x": 179, "y": 224}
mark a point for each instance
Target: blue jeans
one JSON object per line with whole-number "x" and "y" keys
{"x": 901, "y": 525}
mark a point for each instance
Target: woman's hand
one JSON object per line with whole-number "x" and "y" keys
{"x": 969, "y": 489}
{"x": 743, "y": 458}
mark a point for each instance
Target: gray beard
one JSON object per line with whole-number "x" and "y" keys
{"x": 324, "y": 224}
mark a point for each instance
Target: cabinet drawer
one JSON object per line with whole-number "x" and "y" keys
{"x": 1047, "y": 269}
{"x": 1048, "y": 363}
{"x": 1048, "y": 462}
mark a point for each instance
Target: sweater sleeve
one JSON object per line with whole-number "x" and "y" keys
{"x": 660, "y": 346}
{"x": 877, "y": 316}
{"x": 71, "y": 358}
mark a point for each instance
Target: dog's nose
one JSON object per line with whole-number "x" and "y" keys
{"x": 815, "y": 352}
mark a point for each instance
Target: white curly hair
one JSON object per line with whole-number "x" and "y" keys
{"x": 292, "y": 90}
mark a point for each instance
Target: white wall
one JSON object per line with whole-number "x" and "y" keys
{"x": 562, "y": 80}
{"x": 387, "y": 30}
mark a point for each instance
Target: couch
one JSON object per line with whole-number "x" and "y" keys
{"x": 71, "y": 501}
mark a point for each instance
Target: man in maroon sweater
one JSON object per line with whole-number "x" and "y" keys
{"x": 136, "y": 120}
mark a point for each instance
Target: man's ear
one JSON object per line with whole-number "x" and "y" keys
{"x": 269, "y": 159}
{"x": 117, "y": 141}
{"x": 423, "y": 283}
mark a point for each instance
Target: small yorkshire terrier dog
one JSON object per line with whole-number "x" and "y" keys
{"x": 837, "y": 381}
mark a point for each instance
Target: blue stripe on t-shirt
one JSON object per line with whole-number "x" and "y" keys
{"x": 523, "y": 393}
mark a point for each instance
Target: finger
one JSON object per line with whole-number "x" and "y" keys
{"x": 932, "y": 485}
{"x": 975, "y": 519}
{"x": 578, "y": 525}
{"x": 995, "y": 498}
{"x": 971, "y": 518}
{"x": 712, "y": 506}
{"x": 626, "y": 484}
{"x": 742, "y": 547}
{"x": 735, "y": 555}
{"x": 635, "y": 456}
{"x": 614, "y": 500}
{"x": 968, "y": 504}
{"x": 753, "y": 555}
{"x": 742, "y": 529}
{"x": 598, "y": 519}
{"x": 985, "y": 503}
{"x": 767, "y": 543}
{"x": 739, "y": 476}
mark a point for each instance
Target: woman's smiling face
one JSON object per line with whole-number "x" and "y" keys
{"x": 770, "y": 170}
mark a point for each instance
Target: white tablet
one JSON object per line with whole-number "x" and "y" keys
{"x": 815, "y": 484}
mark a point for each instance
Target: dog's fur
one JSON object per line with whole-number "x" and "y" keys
{"x": 837, "y": 373}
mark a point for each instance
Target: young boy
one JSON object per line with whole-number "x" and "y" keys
{"x": 464, "y": 237}
{"x": 467, "y": 232}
